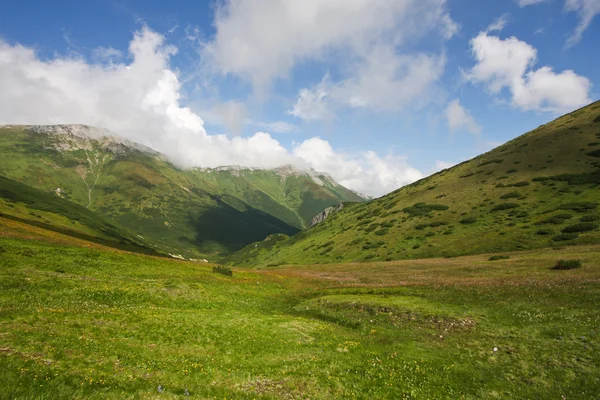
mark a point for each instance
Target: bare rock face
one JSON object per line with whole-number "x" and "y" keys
{"x": 325, "y": 213}
{"x": 77, "y": 136}
{"x": 75, "y": 130}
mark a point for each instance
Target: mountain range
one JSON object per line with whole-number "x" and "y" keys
{"x": 196, "y": 212}
{"x": 538, "y": 190}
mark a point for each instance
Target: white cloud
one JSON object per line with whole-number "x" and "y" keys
{"x": 261, "y": 41}
{"x": 509, "y": 64}
{"x": 587, "y": 10}
{"x": 524, "y": 3}
{"x": 193, "y": 34}
{"x": 109, "y": 54}
{"x": 386, "y": 81}
{"x": 313, "y": 104}
{"x": 458, "y": 118}
{"x": 390, "y": 82}
{"x": 365, "y": 172}
{"x": 142, "y": 101}
{"x": 233, "y": 115}
{"x": 499, "y": 24}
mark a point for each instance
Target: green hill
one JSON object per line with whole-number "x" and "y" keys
{"x": 193, "y": 212}
{"x": 538, "y": 190}
{"x": 287, "y": 193}
{"x": 33, "y": 207}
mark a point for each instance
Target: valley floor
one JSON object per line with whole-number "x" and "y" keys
{"x": 90, "y": 322}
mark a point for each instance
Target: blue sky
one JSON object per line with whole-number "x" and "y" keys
{"x": 377, "y": 93}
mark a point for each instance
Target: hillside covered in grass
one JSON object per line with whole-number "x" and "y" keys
{"x": 293, "y": 196}
{"x": 32, "y": 207}
{"x": 541, "y": 189}
{"x": 193, "y": 212}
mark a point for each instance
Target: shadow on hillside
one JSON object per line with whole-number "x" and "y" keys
{"x": 225, "y": 227}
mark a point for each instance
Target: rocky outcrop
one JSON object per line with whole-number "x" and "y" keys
{"x": 322, "y": 216}
{"x": 284, "y": 172}
{"x": 83, "y": 137}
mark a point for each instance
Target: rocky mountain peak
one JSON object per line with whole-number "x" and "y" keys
{"x": 77, "y": 130}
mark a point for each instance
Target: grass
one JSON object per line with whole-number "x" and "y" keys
{"x": 26, "y": 204}
{"x": 91, "y": 322}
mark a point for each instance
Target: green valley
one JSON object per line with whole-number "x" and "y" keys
{"x": 91, "y": 322}
{"x": 300, "y": 200}
{"x": 481, "y": 281}
{"x": 198, "y": 212}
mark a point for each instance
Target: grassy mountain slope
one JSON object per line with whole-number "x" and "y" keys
{"x": 193, "y": 212}
{"x": 22, "y": 203}
{"x": 293, "y": 196}
{"x": 540, "y": 189}
{"x": 137, "y": 189}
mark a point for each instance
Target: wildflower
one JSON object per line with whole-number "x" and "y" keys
{"x": 160, "y": 389}
{"x": 495, "y": 349}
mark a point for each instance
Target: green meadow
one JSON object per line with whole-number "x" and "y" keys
{"x": 78, "y": 320}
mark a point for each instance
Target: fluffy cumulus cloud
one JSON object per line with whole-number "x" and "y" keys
{"x": 509, "y": 63}
{"x": 264, "y": 39}
{"x": 368, "y": 173}
{"x": 459, "y": 119}
{"x": 141, "y": 100}
{"x": 366, "y": 35}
